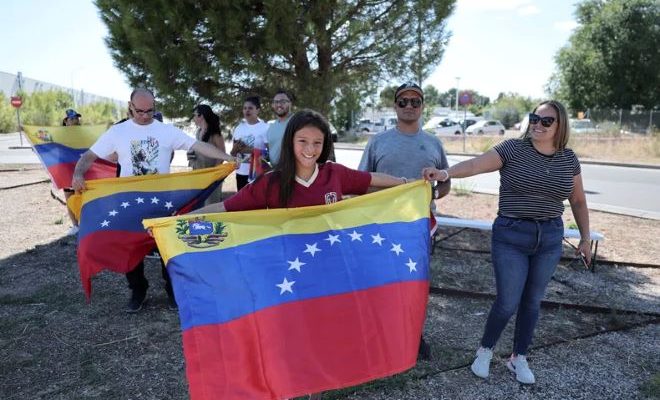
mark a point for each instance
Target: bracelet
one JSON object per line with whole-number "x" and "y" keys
{"x": 447, "y": 173}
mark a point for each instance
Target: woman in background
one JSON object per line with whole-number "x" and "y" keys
{"x": 208, "y": 130}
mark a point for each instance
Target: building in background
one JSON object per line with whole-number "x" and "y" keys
{"x": 11, "y": 83}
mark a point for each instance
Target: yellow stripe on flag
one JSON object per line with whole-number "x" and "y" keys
{"x": 398, "y": 204}
{"x": 197, "y": 179}
{"x": 75, "y": 137}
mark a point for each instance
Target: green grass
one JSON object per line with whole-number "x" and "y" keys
{"x": 651, "y": 389}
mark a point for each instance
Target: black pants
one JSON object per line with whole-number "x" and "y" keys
{"x": 241, "y": 180}
{"x": 137, "y": 280}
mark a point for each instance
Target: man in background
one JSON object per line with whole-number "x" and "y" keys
{"x": 72, "y": 118}
{"x": 282, "y": 103}
{"x": 405, "y": 150}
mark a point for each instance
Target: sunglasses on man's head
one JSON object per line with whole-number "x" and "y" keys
{"x": 415, "y": 102}
{"x": 545, "y": 121}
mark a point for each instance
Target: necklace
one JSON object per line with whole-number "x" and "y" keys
{"x": 549, "y": 160}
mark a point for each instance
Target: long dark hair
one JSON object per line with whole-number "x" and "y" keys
{"x": 285, "y": 170}
{"x": 212, "y": 121}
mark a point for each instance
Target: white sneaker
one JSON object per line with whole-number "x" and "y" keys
{"x": 73, "y": 230}
{"x": 519, "y": 366}
{"x": 481, "y": 364}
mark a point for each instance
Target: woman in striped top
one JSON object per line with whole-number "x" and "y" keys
{"x": 537, "y": 173}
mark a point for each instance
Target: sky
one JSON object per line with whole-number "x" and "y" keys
{"x": 496, "y": 45}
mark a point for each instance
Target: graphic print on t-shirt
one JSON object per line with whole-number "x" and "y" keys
{"x": 246, "y": 157}
{"x": 144, "y": 156}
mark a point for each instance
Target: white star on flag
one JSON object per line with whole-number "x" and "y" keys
{"x": 105, "y": 223}
{"x": 168, "y": 205}
{"x": 139, "y": 200}
{"x": 113, "y": 213}
{"x": 154, "y": 200}
{"x": 355, "y": 236}
{"x": 333, "y": 239}
{"x": 285, "y": 286}
{"x": 311, "y": 249}
{"x": 396, "y": 248}
{"x": 377, "y": 239}
{"x": 125, "y": 204}
{"x": 295, "y": 264}
{"x": 411, "y": 264}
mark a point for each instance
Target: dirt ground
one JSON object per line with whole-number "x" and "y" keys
{"x": 55, "y": 346}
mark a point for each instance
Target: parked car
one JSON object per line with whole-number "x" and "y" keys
{"x": 390, "y": 123}
{"x": 582, "y": 126}
{"x": 469, "y": 121}
{"x": 444, "y": 127}
{"x": 487, "y": 126}
{"x": 522, "y": 125}
{"x": 365, "y": 127}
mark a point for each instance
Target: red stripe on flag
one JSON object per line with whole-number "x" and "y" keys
{"x": 62, "y": 173}
{"x": 116, "y": 251}
{"x": 308, "y": 346}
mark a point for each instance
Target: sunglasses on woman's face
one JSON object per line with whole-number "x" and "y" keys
{"x": 545, "y": 121}
{"x": 415, "y": 102}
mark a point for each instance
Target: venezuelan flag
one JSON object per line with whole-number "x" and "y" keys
{"x": 279, "y": 303}
{"x": 59, "y": 148}
{"x": 110, "y": 212}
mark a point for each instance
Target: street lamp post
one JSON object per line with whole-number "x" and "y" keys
{"x": 458, "y": 78}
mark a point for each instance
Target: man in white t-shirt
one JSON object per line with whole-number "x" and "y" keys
{"x": 249, "y": 134}
{"x": 144, "y": 146}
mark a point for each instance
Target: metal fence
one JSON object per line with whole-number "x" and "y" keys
{"x": 625, "y": 121}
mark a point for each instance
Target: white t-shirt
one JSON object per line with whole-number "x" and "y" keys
{"x": 142, "y": 149}
{"x": 253, "y": 135}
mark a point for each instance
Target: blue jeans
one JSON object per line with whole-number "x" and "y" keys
{"x": 525, "y": 254}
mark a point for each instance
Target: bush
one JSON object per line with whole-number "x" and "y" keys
{"x": 7, "y": 115}
{"x": 47, "y": 108}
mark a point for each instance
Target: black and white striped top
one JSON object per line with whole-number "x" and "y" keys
{"x": 533, "y": 185}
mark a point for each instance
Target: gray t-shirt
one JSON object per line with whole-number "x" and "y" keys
{"x": 275, "y": 134}
{"x": 403, "y": 155}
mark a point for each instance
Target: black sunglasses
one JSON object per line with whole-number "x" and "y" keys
{"x": 415, "y": 102}
{"x": 545, "y": 121}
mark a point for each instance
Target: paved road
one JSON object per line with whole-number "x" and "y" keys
{"x": 624, "y": 190}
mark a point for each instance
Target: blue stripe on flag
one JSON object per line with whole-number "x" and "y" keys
{"x": 219, "y": 286}
{"x": 125, "y": 211}
{"x": 55, "y": 153}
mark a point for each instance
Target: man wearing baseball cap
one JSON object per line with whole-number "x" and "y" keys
{"x": 406, "y": 149}
{"x": 72, "y": 118}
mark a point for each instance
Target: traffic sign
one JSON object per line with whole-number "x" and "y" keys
{"x": 16, "y": 101}
{"x": 465, "y": 98}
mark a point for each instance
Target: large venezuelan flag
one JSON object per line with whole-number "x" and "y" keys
{"x": 279, "y": 303}
{"x": 59, "y": 148}
{"x": 111, "y": 211}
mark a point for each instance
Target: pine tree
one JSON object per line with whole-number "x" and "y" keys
{"x": 220, "y": 51}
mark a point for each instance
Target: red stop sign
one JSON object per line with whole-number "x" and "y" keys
{"x": 16, "y": 101}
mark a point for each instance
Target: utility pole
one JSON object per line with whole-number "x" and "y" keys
{"x": 458, "y": 78}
